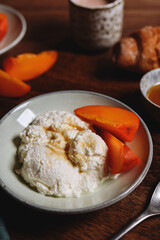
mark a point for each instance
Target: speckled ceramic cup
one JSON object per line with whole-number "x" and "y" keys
{"x": 96, "y": 28}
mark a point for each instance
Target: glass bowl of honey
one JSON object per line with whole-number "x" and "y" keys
{"x": 150, "y": 89}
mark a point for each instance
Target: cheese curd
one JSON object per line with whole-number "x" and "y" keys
{"x": 61, "y": 155}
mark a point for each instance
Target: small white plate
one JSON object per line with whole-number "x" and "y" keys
{"x": 16, "y": 28}
{"x": 109, "y": 192}
{"x": 149, "y": 80}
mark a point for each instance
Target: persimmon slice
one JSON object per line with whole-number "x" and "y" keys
{"x": 120, "y": 157}
{"x": 12, "y": 87}
{"x": 28, "y": 65}
{"x": 3, "y": 25}
{"x": 120, "y": 122}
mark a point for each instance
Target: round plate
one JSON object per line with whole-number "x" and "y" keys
{"x": 16, "y": 28}
{"x": 109, "y": 192}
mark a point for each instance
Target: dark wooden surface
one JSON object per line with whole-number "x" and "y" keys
{"x": 48, "y": 28}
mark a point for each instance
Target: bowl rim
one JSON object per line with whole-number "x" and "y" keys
{"x": 23, "y": 30}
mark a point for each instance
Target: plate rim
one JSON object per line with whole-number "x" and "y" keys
{"x": 23, "y": 31}
{"x": 92, "y": 207}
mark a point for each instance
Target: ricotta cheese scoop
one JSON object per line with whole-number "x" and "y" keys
{"x": 61, "y": 155}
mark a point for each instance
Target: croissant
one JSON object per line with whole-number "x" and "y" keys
{"x": 140, "y": 51}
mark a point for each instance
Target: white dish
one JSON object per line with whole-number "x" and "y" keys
{"x": 149, "y": 80}
{"x": 109, "y": 192}
{"x": 16, "y": 28}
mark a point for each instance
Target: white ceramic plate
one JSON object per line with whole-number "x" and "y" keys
{"x": 107, "y": 193}
{"x": 16, "y": 28}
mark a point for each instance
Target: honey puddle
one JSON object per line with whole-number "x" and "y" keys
{"x": 154, "y": 94}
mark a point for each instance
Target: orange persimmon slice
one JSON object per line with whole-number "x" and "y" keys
{"x": 12, "y": 87}
{"x": 120, "y": 122}
{"x": 3, "y": 25}
{"x": 120, "y": 157}
{"x": 28, "y": 65}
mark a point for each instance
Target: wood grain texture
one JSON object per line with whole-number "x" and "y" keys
{"x": 48, "y": 28}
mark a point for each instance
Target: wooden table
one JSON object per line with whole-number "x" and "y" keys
{"x": 48, "y": 28}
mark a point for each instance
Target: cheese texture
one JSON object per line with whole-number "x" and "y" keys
{"x": 61, "y": 155}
